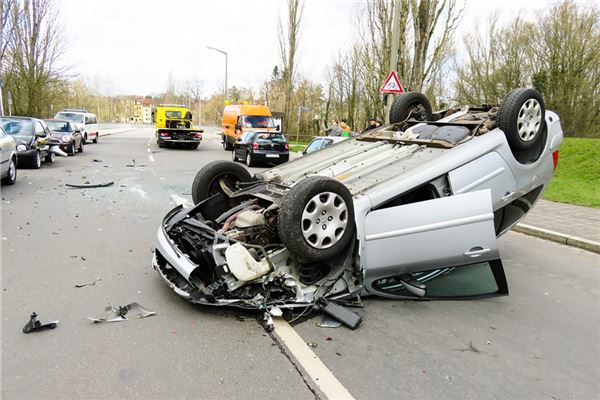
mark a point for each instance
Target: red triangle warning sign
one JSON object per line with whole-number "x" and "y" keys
{"x": 392, "y": 84}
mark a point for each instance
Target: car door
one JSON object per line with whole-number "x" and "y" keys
{"x": 237, "y": 146}
{"x": 247, "y": 143}
{"x": 449, "y": 242}
{"x": 313, "y": 146}
{"x": 40, "y": 137}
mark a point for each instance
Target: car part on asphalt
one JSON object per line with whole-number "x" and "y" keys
{"x": 34, "y": 325}
{"x": 90, "y": 186}
{"x": 80, "y": 285}
{"x": 120, "y": 314}
{"x": 342, "y": 314}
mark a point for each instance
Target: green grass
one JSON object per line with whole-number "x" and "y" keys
{"x": 297, "y": 146}
{"x": 577, "y": 178}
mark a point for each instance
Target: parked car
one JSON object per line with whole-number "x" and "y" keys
{"x": 410, "y": 210}
{"x": 70, "y": 136}
{"x": 321, "y": 142}
{"x": 33, "y": 140}
{"x": 261, "y": 147}
{"x": 8, "y": 158}
{"x": 83, "y": 120}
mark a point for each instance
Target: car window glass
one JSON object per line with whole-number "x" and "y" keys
{"x": 466, "y": 281}
{"x": 70, "y": 116}
{"x": 94, "y": 121}
{"x": 17, "y": 127}
{"x": 2, "y": 134}
{"x": 39, "y": 128}
{"x": 270, "y": 137}
{"x": 327, "y": 143}
{"x": 173, "y": 114}
{"x": 58, "y": 126}
{"x": 257, "y": 121}
{"x": 314, "y": 145}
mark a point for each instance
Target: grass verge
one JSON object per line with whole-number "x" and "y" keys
{"x": 577, "y": 177}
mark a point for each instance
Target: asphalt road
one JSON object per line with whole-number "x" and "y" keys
{"x": 541, "y": 342}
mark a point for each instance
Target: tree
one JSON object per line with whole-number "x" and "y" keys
{"x": 288, "y": 47}
{"x": 31, "y": 68}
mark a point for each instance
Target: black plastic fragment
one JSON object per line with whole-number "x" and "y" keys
{"x": 93, "y": 185}
{"x": 343, "y": 314}
{"x": 35, "y": 325}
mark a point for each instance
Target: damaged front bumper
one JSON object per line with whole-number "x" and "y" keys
{"x": 216, "y": 280}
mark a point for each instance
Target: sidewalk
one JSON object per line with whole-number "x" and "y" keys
{"x": 563, "y": 223}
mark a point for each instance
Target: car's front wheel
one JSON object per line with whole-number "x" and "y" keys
{"x": 72, "y": 149}
{"x": 316, "y": 218}
{"x": 95, "y": 139}
{"x": 11, "y": 176}
{"x": 50, "y": 157}
{"x": 208, "y": 180}
{"x": 36, "y": 163}
{"x": 410, "y": 105}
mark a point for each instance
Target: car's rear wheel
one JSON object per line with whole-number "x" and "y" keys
{"x": 95, "y": 139}
{"x": 11, "y": 176}
{"x": 81, "y": 144}
{"x": 249, "y": 161}
{"x": 522, "y": 119}
{"x": 226, "y": 145}
{"x": 233, "y": 156}
{"x": 410, "y": 105}
{"x": 72, "y": 149}
{"x": 208, "y": 180}
{"x": 316, "y": 218}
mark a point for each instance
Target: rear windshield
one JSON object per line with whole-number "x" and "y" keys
{"x": 17, "y": 127}
{"x": 270, "y": 137}
{"x": 257, "y": 121}
{"x": 58, "y": 126}
{"x": 173, "y": 114}
{"x": 73, "y": 117}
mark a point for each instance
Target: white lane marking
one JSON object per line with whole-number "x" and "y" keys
{"x": 151, "y": 158}
{"x": 314, "y": 367}
{"x": 175, "y": 198}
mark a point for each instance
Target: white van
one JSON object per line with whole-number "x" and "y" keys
{"x": 85, "y": 121}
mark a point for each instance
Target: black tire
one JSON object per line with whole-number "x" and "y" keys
{"x": 206, "y": 182}
{"x": 81, "y": 144}
{"x": 522, "y": 117}
{"x": 36, "y": 163}
{"x": 226, "y": 145}
{"x": 233, "y": 156}
{"x": 95, "y": 139}
{"x": 410, "y": 104}
{"x": 11, "y": 176}
{"x": 85, "y": 139}
{"x": 72, "y": 150}
{"x": 194, "y": 146}
{"x": 292, "y": 225}
{"x": 50, "y": 157}
{"x": 249, "y": 161}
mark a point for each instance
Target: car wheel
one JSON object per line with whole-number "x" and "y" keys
{"x": 316, "y": 218}
{"x": 410, "y": 105}
{"x": 36, "y": 163}
{"x": 233, "y": 156}
{"x": 226, "y": 145}
{"x": 95, "y": 139}
{"x": 72, "y": 149}
{"x": 50, "y": 157}
{"x": 249, "y": 161}
{"x": 207, "y": 182}
{"x": 80, "y": 149}
{"x": 521, "y": 117}
{"x": 11, "y": 176}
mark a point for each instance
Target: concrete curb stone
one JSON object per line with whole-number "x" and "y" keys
{"x": 558, "y": 237}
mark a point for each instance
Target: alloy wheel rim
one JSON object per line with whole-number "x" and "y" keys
{"x": 324, "y": 220}
{"x": 38, "y": 159}
{"x": 12, "y": 171}
{"x": 529, "y": 120}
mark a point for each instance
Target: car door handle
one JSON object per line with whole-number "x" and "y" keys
{"x": 475, "y": 252}
{"x": 507, "y": 196}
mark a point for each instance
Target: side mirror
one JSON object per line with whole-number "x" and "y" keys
{"x": 302, "y": 153}
{"x": 238, "y": 127}
{"x": 277, "y": 128}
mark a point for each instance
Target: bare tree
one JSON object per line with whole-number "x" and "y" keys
{"x": 288, "y": 47}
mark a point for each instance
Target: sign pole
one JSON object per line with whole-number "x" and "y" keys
{"x": 394, "y": 55}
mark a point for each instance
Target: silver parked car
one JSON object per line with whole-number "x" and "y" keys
{"x": 8, "y": 158}
{"x": 410, "y": 210}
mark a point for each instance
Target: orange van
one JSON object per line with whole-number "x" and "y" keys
{"x": 240, "y": 118}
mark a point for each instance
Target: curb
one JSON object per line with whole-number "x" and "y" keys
{"x": 115, "y": 130}
{"x": 558, "y": 237}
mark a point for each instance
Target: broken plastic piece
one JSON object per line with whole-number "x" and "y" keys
{"x": 119, "y": 314}
{"x": 267, "y": 322}
{"x": 93, "y": 185}
{"x": 35, "y": 325}
{"x": 343, "y": 314}
{"x": 328, "y": 321}
{"x": 242, "y": 265}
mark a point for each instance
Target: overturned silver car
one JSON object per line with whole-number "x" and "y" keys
{"x": 410, "y": 210}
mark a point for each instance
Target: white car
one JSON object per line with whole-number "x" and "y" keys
{"x": 85, "y": 122}
{"x": 8, "y": 158}
{"x": 409, "y": 210}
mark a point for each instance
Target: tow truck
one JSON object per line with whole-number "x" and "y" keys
{"x": 174, "y": 127}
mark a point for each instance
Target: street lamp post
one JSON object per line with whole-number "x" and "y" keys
{"x": 223, "y": 52}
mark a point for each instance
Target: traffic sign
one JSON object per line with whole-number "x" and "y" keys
{"x": 392, "y": 84}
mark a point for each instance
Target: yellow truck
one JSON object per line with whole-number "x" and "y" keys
{"x": 240, "y": 118}
{"x": 174, "y": 127}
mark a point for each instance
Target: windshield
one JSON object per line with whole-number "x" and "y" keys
{"x": 73, "y": 117}
{"x": 58, "y": 126}
{"x": 17, "y": 127}
{"x": 270, "y": 137}
{"x": 257, "y": 121}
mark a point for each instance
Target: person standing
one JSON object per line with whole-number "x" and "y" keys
{"x": 334, "y": 129}
{"x": 346, "y": 130}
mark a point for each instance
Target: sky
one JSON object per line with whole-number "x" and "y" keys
{"x": 131, "y": 47}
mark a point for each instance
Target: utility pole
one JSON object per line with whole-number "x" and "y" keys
{"x": 226, "y": 61}
{"x": 394, "y": 55}
{"x": 1, "y": 101}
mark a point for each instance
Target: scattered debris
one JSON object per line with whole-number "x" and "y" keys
{"x": 119, "y": 314}
{"x": 89, "y": 186}
{"x": 471, "y": 348}
{"x": 342, "y": 314}
{"x": 35, "y": 325}
{"x": 329, "y": 322}
{"x": 338, "y": 354}
{"x": 329, "y": 338}
{"x": 312, "y": 344}
{"x": 96, "y": 160}
{"x": 80, "y": 285}
{"x": 133, "y": 164}
{"x": 267, "y": 322}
